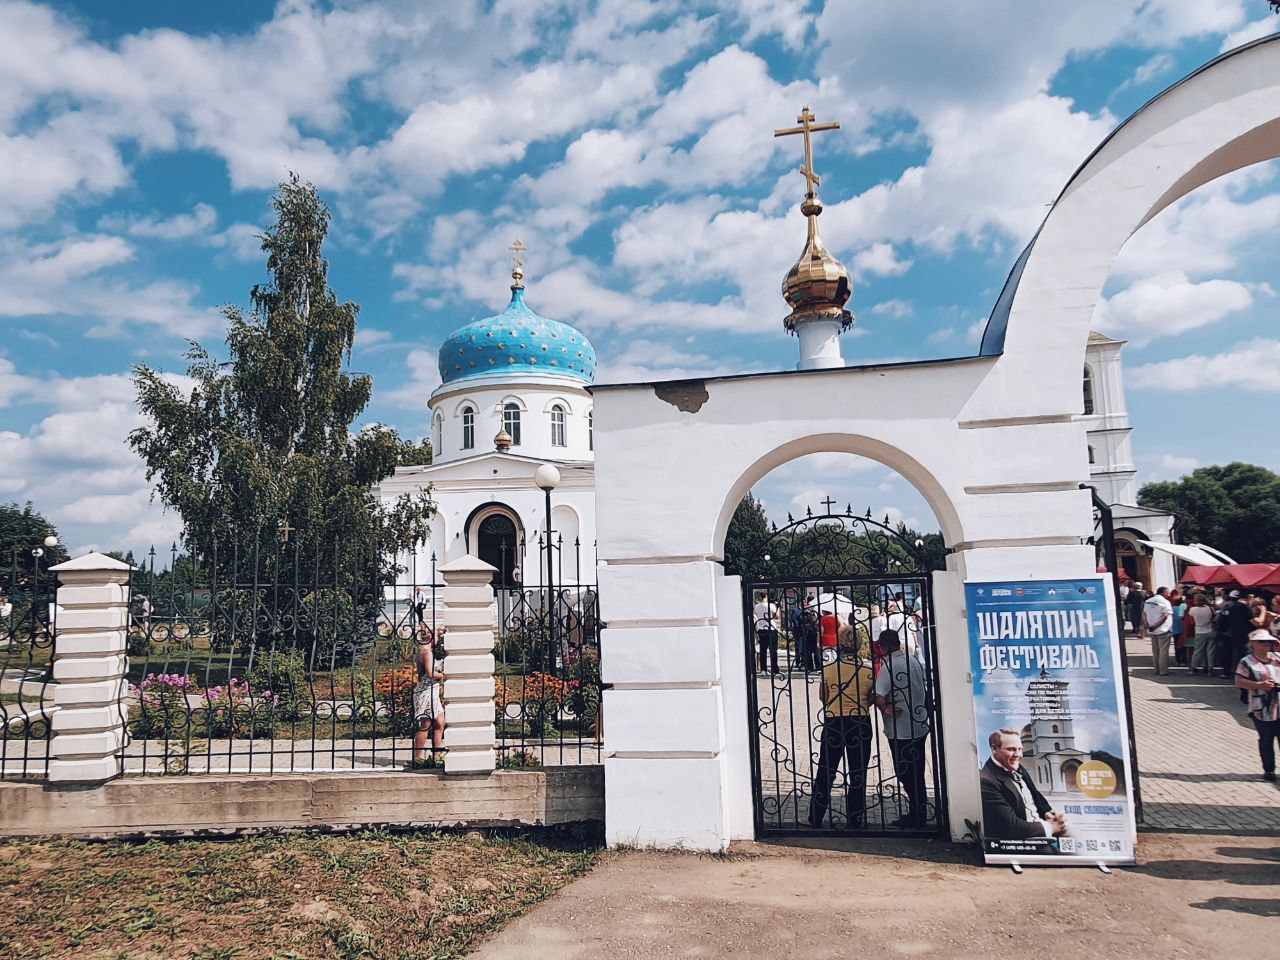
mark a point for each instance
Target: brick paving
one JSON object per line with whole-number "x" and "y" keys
{"x": 1197, "y": 753}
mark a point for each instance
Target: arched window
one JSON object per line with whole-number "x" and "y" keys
{"x": 557, "y": 426}
{"x": 1055, "y": 728}
{"x": 437, "y": 435}
{"x": 1088, "y": 392}
{"x": 591, "y": 429}
{"x": 468, "y": 428}
{"x": 1093, "y": 455}
{"x": 1057, "y": 745}
{"x": 511, "y": 422}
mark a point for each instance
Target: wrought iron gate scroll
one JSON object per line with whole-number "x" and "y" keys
{"x": 845, "y": 733}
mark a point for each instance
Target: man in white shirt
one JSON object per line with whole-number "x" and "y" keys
{"x": 765, "y": 614}
{"x": 1157, "y": 617}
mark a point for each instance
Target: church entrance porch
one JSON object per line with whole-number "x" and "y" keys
{"x": 844, "y": 729}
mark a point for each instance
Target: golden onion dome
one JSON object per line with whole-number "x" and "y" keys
{"x": 818, "y": 286}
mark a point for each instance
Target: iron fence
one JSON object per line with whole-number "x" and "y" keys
{"x": 547, "y": 675}
{"x": 27, "y": 594}
{"x": 286, "y": 658}
{"x": 276, "y": 658}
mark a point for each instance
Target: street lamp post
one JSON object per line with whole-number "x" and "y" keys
{"x": 547, "y": 477}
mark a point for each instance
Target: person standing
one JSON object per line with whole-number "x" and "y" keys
{"x": 428, "y": 707}
{"x": 902, "y": 698}
{"x": 1239, "y": 625}
{"x": 848, "y": 692}
{"x": 1133, "y": 613}
{"x": 830, "y": 624}
{"x": 1179, "y": 612}
{"x": 1258, "y": 674}
{"x": 1198, "y": 633}
{"x": 1157, "y": 618}
{"x": 765, "y": 614}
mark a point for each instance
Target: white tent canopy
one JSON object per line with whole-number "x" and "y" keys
{"x": 1194, "y": 554}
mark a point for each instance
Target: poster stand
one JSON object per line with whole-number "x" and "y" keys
{"x": 1057, "y": 781}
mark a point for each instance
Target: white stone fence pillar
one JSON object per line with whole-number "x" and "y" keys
{"x": 469, "y": 612}
{"x": 89, "y": 670}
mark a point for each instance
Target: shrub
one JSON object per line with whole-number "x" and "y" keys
{"x": 284, "y": 674}
{"x": 234, "y": 710}
{"x": 163, "y": 712}
{"x": 394, "y": 691}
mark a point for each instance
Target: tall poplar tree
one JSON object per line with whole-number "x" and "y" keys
{"x": 260, "y": 448}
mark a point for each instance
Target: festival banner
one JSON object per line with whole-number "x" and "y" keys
{"x": 1052, "y": 734}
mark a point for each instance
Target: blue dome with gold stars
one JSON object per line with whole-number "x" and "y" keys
{"x": 517, "y": 340}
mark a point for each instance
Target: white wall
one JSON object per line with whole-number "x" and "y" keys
{"x": 535, "y": 394}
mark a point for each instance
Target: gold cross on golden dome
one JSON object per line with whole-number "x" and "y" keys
{"x": 806, "y": 128}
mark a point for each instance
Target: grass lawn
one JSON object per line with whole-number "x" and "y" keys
{"x": 367, "y": 895}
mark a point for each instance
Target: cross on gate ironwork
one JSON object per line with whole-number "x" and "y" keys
{"x": 828, "y": 503}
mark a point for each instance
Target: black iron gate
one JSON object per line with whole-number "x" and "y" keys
{"x": 842, "y": 684}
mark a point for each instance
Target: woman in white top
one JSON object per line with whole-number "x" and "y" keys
{"x": 1201, "y": 624}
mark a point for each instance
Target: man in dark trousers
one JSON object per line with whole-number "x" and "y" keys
{"x": 1239, "y": 623}
{"x": 1012, "y": 807}
{"x": 1133, "y": 606}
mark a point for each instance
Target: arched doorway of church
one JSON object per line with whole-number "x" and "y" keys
{"x": 494, "y": 536}
{"x": 843, "y": 697}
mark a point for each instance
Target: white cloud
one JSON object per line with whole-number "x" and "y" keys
{"x": 879, "y": 260}
{"x": 644, "y": 360}
{"x": 1252, "y": 366}
{"x": 65, "y": 279}
{"x": 76, "y": 463}
{"x": 199, "y": 222}
{"x": 893, "y": 308}
{"x": 1170, "y": 466}
{"x": 1169, "y": 304}
{"x": 1255, "y": 29}
{"x": 424, "y": 376}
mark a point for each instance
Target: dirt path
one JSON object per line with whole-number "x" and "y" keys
{"x": 1192, "y": 897}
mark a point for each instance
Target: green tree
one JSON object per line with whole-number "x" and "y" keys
{"x": 748, "y": 532}
{"x": 1235, "y": 509}
{"x": 23, "y": 529}
{"x": 264, "y": 439}
{"x": 415, "y": 454}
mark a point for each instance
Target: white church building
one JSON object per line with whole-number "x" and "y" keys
{"x": 1141, "y": 533}
{"x": 513, "y": 396}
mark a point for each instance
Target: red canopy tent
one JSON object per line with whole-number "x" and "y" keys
{"x": 1250, "y": 576}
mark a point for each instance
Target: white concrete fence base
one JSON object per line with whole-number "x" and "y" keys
{"x": 469, "y": 616}
{"x": 89, "y": 670}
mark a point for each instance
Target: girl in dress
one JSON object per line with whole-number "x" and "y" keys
{"x": 428, "y": 708}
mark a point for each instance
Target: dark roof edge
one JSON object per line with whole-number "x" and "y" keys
{"x": 897, "y": 364}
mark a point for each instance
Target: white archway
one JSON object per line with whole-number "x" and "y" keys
{"x": 1222, "y": 117}
{"x": 861, "y": 446}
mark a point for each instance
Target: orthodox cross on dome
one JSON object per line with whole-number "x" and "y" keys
{"x": 517, "y": 274}
{"x": 806, "y": 129}
{"x": 284, "y": 529}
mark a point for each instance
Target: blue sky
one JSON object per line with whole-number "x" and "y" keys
{"x": 629, "y": 144}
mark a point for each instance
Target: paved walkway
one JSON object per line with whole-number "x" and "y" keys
{"x": 1191, "y": 898}
{"x": 1197, "y": 753}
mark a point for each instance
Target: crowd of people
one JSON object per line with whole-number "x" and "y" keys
{"x": 872, "y": 662}
{"x": 1226, "y": 633}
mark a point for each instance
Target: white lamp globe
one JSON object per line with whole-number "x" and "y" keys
{"x": 51, "y": 541}
{"x": 547, "y": 477}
